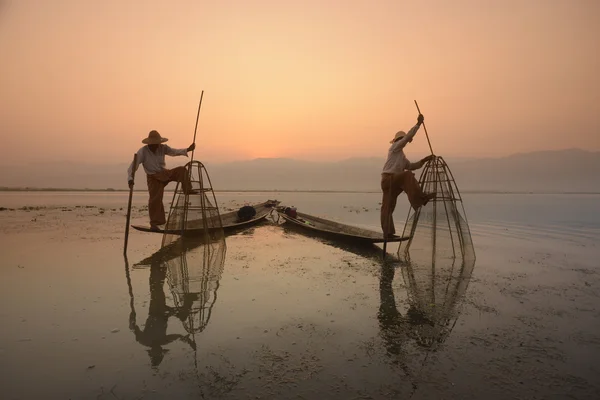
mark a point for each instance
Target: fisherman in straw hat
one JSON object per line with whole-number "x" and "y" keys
{"x": 397, "y": 176}
{"x": 152, "y": 157}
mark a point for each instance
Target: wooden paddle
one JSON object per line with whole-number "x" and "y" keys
{"x": 129, "y": 205}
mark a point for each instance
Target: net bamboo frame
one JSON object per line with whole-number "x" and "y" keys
{"x": 197, "y": 213}
{"x": 438, "y": 230}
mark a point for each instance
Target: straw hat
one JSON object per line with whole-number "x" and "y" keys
{"x": 399, "y": 135}
{"x": 154, "y": 138}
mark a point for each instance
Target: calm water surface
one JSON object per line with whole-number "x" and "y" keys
{"x": 528, "y": 210}
{"x": 273, "y": 313}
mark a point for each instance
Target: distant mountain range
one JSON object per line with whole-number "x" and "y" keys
{"x": 571, "y": 170}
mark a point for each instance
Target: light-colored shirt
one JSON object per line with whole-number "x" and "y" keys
{"x": 153, "y": 162}
{"x": 396, "y": 161}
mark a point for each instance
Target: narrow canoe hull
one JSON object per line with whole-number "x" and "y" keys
{"x": 336, "y": 230}
{"x": 230, "y": 221}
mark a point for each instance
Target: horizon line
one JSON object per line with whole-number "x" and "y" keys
{"x": 38, "y": 189}
{"x": 466, "y": 158}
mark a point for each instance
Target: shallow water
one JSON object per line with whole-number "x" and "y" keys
{"x": 291, "y": 316}
{"x": 553, "y": 211}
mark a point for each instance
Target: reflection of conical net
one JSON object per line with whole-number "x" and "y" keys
{"x": 197, "y": 213}
{"x": 193, "y": 278}
{"x": 435, "y": 293}
{"x": 438, "y": 230}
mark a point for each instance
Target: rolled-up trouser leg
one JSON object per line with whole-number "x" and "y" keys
{"x": 156, "y": 209}
{"x": 410, "y": 185}
{"x": 180, "y": 174}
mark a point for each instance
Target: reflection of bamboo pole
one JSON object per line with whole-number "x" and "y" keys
{"x": 129, "y": 205}
{"x": 130, "y": 287}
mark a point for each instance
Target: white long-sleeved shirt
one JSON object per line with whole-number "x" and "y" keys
{"x": 153, "y": 162}
{"x": 396, "y": 161}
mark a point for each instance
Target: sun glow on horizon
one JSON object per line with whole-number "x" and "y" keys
{"x": 304, "y": 80}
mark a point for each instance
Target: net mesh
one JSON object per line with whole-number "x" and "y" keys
{"x": 194, "y": 214}
{"x": 439, "y": 256}
{"x": 438, "y": 230}
{"x": 193, "y": 278}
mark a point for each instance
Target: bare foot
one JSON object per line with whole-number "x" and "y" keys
{"x": 429, "y": 197}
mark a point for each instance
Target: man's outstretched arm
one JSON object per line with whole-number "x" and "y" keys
{"x": 178, "y": 152}
{"x": 420, "y": 163}
{"x": 399, "y": 145}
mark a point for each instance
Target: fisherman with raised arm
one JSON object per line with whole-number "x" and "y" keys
{"x": 152, "y": 157}
{"x": 397, "y": 176}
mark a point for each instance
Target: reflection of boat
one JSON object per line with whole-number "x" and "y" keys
{"x": 367, "y": 250}
{"x": 335, "y": 230}
{"x": 231, "y": 221}
{"x": 170, "y": 251}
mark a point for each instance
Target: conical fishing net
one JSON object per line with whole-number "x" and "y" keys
{"x": 439, "y": 255}
{"x": 194, "y": 214}
{"x": 193, "y": 278}
{"x": 438, "y": 230}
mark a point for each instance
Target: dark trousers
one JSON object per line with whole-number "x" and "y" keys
{"x": 392, "y": 185}
{"x": 156, "y": 189}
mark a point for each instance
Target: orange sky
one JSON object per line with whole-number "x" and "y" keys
{"x": 315, "y": 80}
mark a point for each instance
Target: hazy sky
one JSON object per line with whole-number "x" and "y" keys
{"x": 315, "y": 80}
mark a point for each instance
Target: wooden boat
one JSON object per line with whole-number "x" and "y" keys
{"x": 335, "y": 230}
{"x": 231, "y": 222}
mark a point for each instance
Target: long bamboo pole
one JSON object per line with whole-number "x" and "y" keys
{"x": 134, "y": 166}
{"x": 197, "y": 118}
{"x": 189, "y": 177}
{"x": 424, "y": 127}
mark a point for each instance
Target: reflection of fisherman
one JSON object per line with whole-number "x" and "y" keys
{"x": 154, "y": 335}
{"x": 395, "y": 328}
{"x": 394, "y": 331}
{"x": 391, "y": 321}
